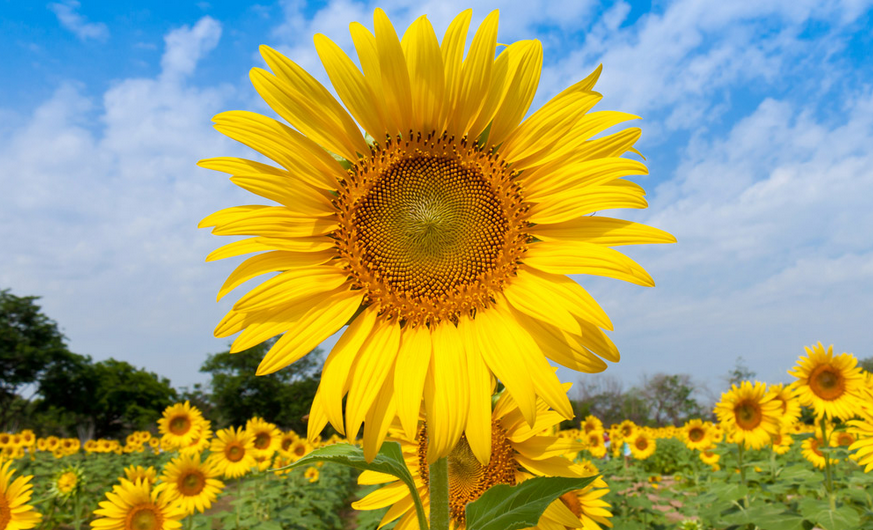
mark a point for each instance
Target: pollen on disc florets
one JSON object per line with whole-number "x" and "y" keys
{"x": 468, "y": 478}
{"x": 430, "y": 227}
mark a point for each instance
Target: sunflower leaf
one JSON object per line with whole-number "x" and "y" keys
{"x": 513, "y": 507}
{"x": 389, "y": 461}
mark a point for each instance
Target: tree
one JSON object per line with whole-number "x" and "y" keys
{"x": 29, "y": 343}
{"x": 867, "y": 364}
{"x": 670, "y": 398}
{"x": 283, "y": 397}
{"x": 740, "y": 373}
{"x": 101, "y": 399}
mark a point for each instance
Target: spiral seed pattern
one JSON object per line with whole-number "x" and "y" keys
{"x": 430, "y": 227}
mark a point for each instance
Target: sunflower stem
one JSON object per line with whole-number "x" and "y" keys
{"x": 829, "y": 474}
{"x": 740, "y": 449}
{"x": 439, "y": 494}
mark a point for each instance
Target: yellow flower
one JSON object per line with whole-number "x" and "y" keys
{"x": 752, "y": 415}
{"x": 863, "y": 447}
{"x": 15, "y": 512}
{"x": 134, "y": 473}
{"x": 233, "y": 452}
{"x": 786, "y": 398}
{"x": 138, "y": 506}
{"x": 586, "y": 505}
{"x": 285, "y": 443}
{"x": 707, "y": 456}
{"x": 696, "y": 434}
{"x": 781, "y": 442}
{"x": 298, "y": 449}
{"x": 311, "y": 473}
{"x": 831, "y": 385}
{"x": 179, "y": 424}
{"x": 68, "y": 481}
{"x": 595, "y": 444}
{"x": 199, "y": 442}
{"x": 446, "y": 240}
{"x": 642, "y": 445}
{"x": 192, "y": 482}
{"x": 266, "y": 436}
{"x": 811, "y": 450}
{"x": 626, "y": 430}
{"x": 591, "y": 423}
{"x": 517, "y": 453}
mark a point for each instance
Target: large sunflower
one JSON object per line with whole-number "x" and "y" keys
{"x": 15, "y": 512}
{"x": 518, "y": 452}
{"x": 832, "y": 385}
{"x": 233, "y": 452}
{"x": 752, "y": 415}
{"x": 192, "y": 482}
{"x": 443, "y": 240}
{"x": 138, "y": 506}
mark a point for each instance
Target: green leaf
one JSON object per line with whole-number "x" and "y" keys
{"x": 843, "y": 518}
{"x": 505, "y": 507}
{"x": 389, "y": 461}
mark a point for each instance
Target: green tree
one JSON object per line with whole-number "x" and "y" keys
{"x": 740, "y": 373}
{"x": 670, "y": 398}
{"x": 867, "y": 364}
{"x": 29, "y": 343}
{"x": 105, "y": 399}
{"x": 283, "y": 397}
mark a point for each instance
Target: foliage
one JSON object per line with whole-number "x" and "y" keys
{"x": 670, "y": 398}
{"x": 740, "y": 373}
{"x": 29, "y": 343}
{"x": 662, "y": 399}
{"x": 237, "y": 394}
{"x": 670, "y": 457}
{"x": 866, "y": 364}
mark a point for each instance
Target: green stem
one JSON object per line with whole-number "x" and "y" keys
{"x": 77, "y": 512}
{"x": 438, "y": 473}
{"x": 239, "y": 501}
{"x": 829, "y": 476}
{"x": 740, "y": 449}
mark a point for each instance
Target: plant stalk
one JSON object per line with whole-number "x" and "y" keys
{"x": 829, "y": 473}
{"x": 440, "y": 516}
{"x": 741, "y": 447}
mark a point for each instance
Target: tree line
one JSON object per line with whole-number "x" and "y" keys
{"x": 48, "y": 388}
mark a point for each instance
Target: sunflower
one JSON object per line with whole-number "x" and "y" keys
{"x": 708, "y": 456}
{"x": 233, "y": 452}
{"x": 311, "y": 474}
{"x": 591, "y": 423}
{"x": 831, "y": 385}
{"x": 285, "y": 443}
{"x": 266, "y": 436}
{"x": 192, "y": 482}
{"x": 784, "y": 394}
{"x": 68, "y": 481}
{"x": 781, "y": 442}
{"x": 138, "y": 506}
{"x": 199, "y": 442}
{"x": 811, "y": 450}
{"x": 15, "y": 512}
{"x": 863, "y": 447}
{"x": 179, "y": 424}
{"x": 298, "y": 449}
{"x": 445, "y": 241}
{"x": 518, "y": 452}
{"x": 586, "y": 505}
{"x": 134, "y": 473}
{"x": 642, "y": 445}
{"x": 595, "y": 444}
{"x": 696, "y": 434}
{"x": 750, "y": 413}
{"x": 626, "y": 430}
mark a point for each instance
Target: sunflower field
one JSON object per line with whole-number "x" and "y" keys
{"x": 432, "y": 221}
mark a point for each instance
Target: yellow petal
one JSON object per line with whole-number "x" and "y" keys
{"x": 579, "y": 257}
{"x": 272, "y": 221}
{"x": 338, "y": 366}
{"x": 475, "y": 78}
{"x": 565, "y": 293}
{"x": 413, "y": 360}
{"x": 310, "y": 330}
{"x": 525, "y": 66}
{"x": 569, "y": 206}
{"x": 272, "y": 262}
{"x": 382, "y": 497}
{"x": 370, "y": 370}
{"x": 379, "y": 418}
{"x": 227, "y": 215}
{"x": 452, "y": 51}
{"x": 298, "y": 197}
{"x": 561, "y": 177}
{"x": 395, "y": 75}
{"x": 478, "y": 429}
{"x": 290, "y": 285}
{"x": 317, "y": 418}
{"x": 427, "y": 76}
{"x": 446, "y": 391}
{"x": 524, "y": 296}
{"x": 561, "y": 347}
{"x": 603, "y": 231}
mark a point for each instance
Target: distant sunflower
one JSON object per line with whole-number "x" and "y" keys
{"x": 311, "y": 474}
{"x": 595, "y": 444}
{"x": 642, "y": 445}
{"x": 591, "y": 423}
{"x": 266, "y": 436}
{"x": 627, "y": 429}
{"x": 298, "y": 449}
{"x": 192, "y": 482}
{"x": 831, "y": 385}
{"x": 134, "y": 473}
{"x": 67, "y": 481}
{"x": 15, "y": 511}
{"x": 811, "y": 450}
{"x": 696, "y": 434}
{"x": 708, "y": 456}
{"x": 586, "y": 505}
{"x": 179, "y": 424}
{"x": 444, "y": 242}
{"x": 752, "y": 415}
{"x": 516, "y": 455}
{"x": 286, "y": 441}
{"x": 781, "y": 442}
{"x": 200, "y": 441}
{"x": 138, "y": 506}
{"x": 233, "y": 452}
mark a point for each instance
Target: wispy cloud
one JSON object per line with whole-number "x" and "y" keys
{"x": 70, "y": 18}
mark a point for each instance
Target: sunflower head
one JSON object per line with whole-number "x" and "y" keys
{"x": 750, "y": 414}
{"x": 266, "y": 436}
{"x": 832, "y": 385}
{"x": 138, "y": 506}
{"x": 134, "y": 473}
{"x": 179, "y": 424}
{"x": 67, "y": 482}
{"x": 16, "y": 512}
{"x": 194, "y": 484}
{"x": 696, "y": 434}
{"x": 233, "y": 452}
{"x": 447, "y": 228}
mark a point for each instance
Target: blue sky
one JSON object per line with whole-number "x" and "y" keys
{"x": 757, "y": 127}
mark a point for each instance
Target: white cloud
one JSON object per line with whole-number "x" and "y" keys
{"x": 68, "y": 16}
{"x": 105, "y": 199}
